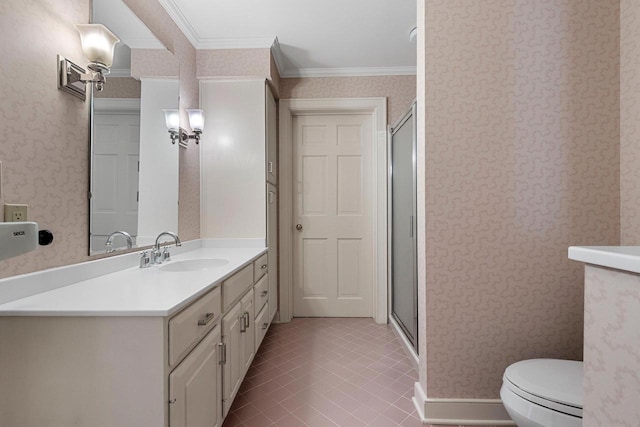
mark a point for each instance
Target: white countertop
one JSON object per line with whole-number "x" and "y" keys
{"x": 134, "y": 291}
{"x": 625, "y": 258}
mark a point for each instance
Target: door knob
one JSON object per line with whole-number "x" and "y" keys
{"x": 299, "y": 227}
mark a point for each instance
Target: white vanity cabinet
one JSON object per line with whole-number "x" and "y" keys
{"x": 271, "y": 111}
{"x": 272, "y": 244}
{"x": 135, "y": 369}
{"x": 195, "y": 395}
{"x": 240, "y": 150}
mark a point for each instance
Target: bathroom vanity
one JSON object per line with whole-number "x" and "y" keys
{"x": 611, "y": 334}
{"x": 162, "y": 346}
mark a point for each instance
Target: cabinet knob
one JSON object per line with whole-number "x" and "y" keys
{"x": 263, "y": 266}
{"x": 265, "y": 325}
{"x": 172, "y": 401}
{"x": 299, "y": 227}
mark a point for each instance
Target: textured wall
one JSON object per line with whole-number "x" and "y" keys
{"x": 399, "y": 90}
{"x": 611, "y": 348}
{"x": 43, "y": 145}
{"x": 154, "y": 63}
{"x": 629, "y": 122}
{"x": 120, "y": 87}
{"x": 522, "y": 149}
{"x": 163, "y": 27}
{"x": 233, "y": 63}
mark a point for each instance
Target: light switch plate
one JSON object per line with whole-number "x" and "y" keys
{"x": 15, "y": 213}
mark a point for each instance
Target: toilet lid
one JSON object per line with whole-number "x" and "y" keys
{"x": 549, "y": 382}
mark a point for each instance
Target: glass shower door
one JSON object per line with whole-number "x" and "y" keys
{"x": 404, "y": 284}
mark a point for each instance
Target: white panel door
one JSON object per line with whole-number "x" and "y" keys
{"x": 333, "y": 253}
{"x": 114, "y": 196}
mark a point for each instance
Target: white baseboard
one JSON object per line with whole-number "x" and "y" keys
{"x": 406, "y": 344}
{"x": 476, "y": 412}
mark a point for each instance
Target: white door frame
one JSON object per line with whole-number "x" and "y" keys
{"x": 377, "y": 108}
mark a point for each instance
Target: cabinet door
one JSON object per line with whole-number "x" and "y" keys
{"x": 272, "y": 137}
{"x": 272, "y": 243}
{"x": 195, "y": 386}
{"x": 248, "y": 331}
{"x": 232, "y": 323}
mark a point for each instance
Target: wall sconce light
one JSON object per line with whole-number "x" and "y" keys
{"x": 172, "y": 120}
{"x": 196, "y": 122}
{"x": 98, "y": 44}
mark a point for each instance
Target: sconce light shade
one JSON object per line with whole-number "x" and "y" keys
{"x": 172, "y": 119}
{"x": 98, "y": 43}
{"x": 196, "y": 119}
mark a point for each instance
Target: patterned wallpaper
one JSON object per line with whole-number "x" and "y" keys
{"x": 611, "y": 348}
{"x": 399, "y": 90}
{"x": 629, "y": 122}
{"x": 522, "y": 149}
{"x": 120, "y": 87}
{"x": 154, "y": 63}
{"x": 233, "y": 63}
{"x": 43, "y": 145}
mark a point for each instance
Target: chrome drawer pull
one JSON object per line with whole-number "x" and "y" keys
{"x": 208, "y": 318}
{"x": 264, "y": 293}
{"x": 246, "y": 320}
{"x": 263, "y": 266}
{"x": 265, "y": 325}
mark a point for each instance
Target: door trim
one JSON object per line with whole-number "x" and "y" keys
{"x": 377, "y": 108}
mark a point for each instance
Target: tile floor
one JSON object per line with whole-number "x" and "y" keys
{"x": 327, "y": 372}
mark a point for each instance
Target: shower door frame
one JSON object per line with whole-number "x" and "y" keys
{"x": 411, "y": 114}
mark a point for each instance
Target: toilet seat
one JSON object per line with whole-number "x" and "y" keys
{"x": 549, "y": 383}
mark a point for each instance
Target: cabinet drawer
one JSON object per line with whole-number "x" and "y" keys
{"x": 262, "y": 324}
{"x": 261, "y": 292}
{"x": 259, "y": 267}
{"x": 191, "y": 324}
{"x": 236, "y": 285}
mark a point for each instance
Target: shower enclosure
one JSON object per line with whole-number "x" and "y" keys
{"x": 403, "y": 276}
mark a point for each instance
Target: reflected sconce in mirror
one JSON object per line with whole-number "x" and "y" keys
{"x": 98, "y": 44}
{"x": 196, "y": 122}
{"x": 172, "y": 120}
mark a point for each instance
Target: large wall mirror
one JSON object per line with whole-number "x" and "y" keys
{"x": 134, "y": 165}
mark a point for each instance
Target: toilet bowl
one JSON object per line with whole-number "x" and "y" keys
{"x": 543, "y": 393}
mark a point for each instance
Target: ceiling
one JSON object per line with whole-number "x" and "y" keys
{"x": 308, "y": 38}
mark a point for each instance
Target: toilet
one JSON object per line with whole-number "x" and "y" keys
{"x": 543, "y": 393}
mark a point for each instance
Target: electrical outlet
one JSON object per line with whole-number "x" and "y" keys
{"x": 15, "y": 213}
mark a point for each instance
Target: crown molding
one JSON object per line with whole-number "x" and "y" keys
{"x": 349, "y": 72}
{"x": 181, "y": 21}
{"x": 271, "y": 42}
{"x": 276, "y": 53}
{"x": 237, "y": 43}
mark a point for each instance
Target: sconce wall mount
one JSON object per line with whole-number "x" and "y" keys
{"x": 98, "y": 44}
{"x": 177, "y": 133}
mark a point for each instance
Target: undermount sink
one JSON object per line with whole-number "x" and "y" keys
{"x": 194, "y": 264}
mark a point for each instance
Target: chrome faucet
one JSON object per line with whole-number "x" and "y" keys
{"x": 109, "y": 241}
{"x": 159, "y": 257}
